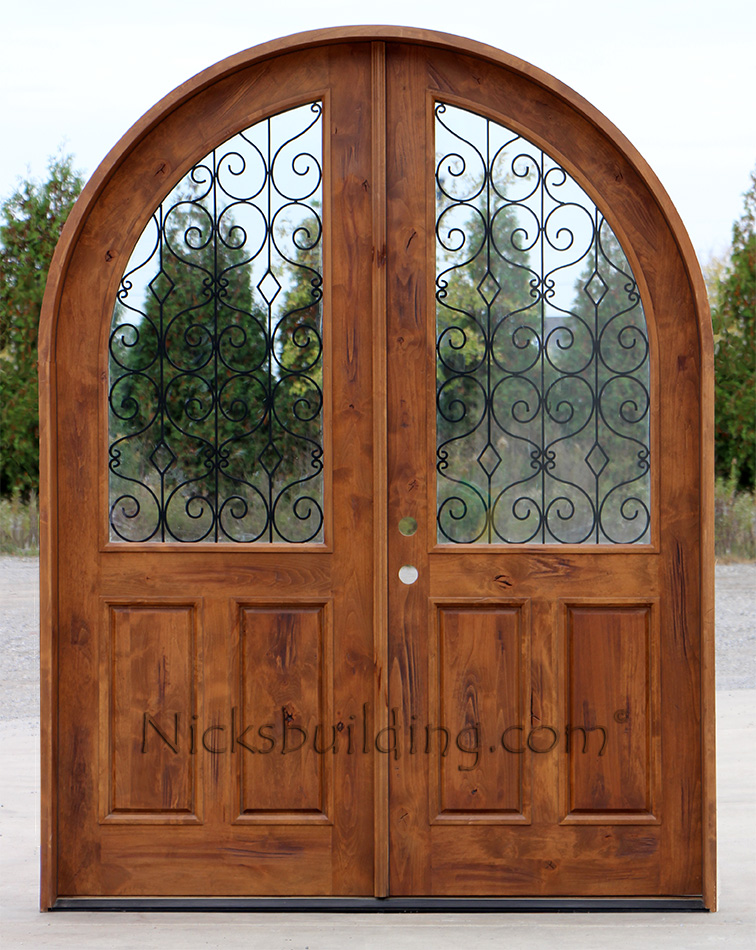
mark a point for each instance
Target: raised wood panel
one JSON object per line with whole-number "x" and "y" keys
{"x": 148, "y": 685}
{"x": 610, "y": 713}
{"x": 285, "y": 714}
{"x": 479, "y": 684}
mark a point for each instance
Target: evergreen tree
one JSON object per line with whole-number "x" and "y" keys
{"x": 31, "y": 220}
{"x": 734, "y": 317}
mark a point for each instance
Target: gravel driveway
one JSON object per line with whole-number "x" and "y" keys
{"x": 19, "y": 626}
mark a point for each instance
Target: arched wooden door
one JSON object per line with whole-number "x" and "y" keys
{"x": 377, "y": 564}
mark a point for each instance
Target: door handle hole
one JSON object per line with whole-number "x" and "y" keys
{"x": 407, "y": 526}
{"x": 408, "y": 574}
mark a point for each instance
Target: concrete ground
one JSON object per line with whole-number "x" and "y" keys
{"x": 733, "y": 927}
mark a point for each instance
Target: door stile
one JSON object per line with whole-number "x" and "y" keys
{"x": 410, "y": 840}
{"x": 380, "y": 474}
{"x": 48, "y": 611}
{"x": 708, "y": 678}
{"x": 354, "y": 461}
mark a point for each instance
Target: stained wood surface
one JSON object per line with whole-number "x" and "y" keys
{"x": 599, "y": 662}
{"x": 546, "y": 635}
{"x": 611, "y": 688}
{"x": 479, "y": 688}
{"x": 149, "y": 662}
{"x": 286, "y": 697}
{"x": 380, "y": 474}
{"x": 281, "y": 639}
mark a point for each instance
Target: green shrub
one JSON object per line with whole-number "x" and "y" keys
{"x": 734, "y": 521}
{"x": 19, "y": 525}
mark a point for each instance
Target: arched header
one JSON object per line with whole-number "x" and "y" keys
{"x": 226, "y": 68}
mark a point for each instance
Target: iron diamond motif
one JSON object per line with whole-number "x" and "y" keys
{"x": 489, "y": 460}
{"x": 269, "y": 286}
{"x": 161, "y": 285}
{"x": 162, "y": 457}
{"x": 596, "y": 288}
{"x": 270, "y": 458}
{"x": 489, "y": 288}
{"x": 597, "y": 459}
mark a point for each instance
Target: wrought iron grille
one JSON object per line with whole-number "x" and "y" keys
{"x": 216, "y": 352}
{"x": 542, "y": 402}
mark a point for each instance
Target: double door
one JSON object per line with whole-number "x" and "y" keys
{"x": 460, "y": 682}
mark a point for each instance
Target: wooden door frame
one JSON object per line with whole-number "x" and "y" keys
{"x": 57, "y": 279}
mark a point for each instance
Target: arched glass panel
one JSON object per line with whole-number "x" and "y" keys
{"x": 216, "y": 353}
{"x": 542, "y": 369}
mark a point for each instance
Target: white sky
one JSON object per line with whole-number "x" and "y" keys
{"x": 678, "y": 77}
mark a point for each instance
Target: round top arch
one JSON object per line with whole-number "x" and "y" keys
{"x": 386, "y": 609}
{"x": 238, "y": 62}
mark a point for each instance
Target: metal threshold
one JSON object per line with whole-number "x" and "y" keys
{"x": 381, "y": 905}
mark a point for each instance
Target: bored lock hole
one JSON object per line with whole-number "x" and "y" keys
{"x": 408, "y": 574}
{"x": 407, "y": 526}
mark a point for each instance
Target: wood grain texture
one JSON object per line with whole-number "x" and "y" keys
{"x": 285, "y": 708}
{"x": 48, "y": 635}
{"x": 148, "y": 687}
{"x": 566, "y": 860}
{"x": 611, "y": 729}
{"x": 380, "y": 834}
{"x": 408, "y": 447}
{"x": 706, "y": 586}
{"x": 479, "y": 694}
{"x": 233, "y": 851}
{"x": 381, "y": 882}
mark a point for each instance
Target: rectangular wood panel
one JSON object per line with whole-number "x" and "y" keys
{"x": 148, "y": 691}
{"x": 610, "y": 720}
{"x": 481, "y": 679}
{"x": 284, "y": 733}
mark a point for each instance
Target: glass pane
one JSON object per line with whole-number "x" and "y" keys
{"x": 216, "y": 355}
{"x": 542, "y": 403}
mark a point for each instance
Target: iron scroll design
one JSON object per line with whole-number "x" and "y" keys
{"x": 542, "y": 352}
{"x": 216, "y": 349}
